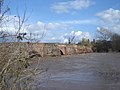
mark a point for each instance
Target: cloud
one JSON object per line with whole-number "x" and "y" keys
{"x": 41, "y": 26}
{"x": 61, "y": 25}
{"x": 9, "y": 27}
{"x": 111, "y": 15}
{"x": 81, "y": 22}
{"x": 110, "y": 19}
{"x": 78, "y": 33}
{"x": 63, "y": 38}
{"x": 10, "y": 24}
{"x": 78, "y": 36}
{"x": 47, "y": 32}
{"x": 52, "y": 31}
{"x": 116, "y": 29}
{"x": 56, "y": 32}
{"x": 57, "y": 26}
{"x": 66, "y": 7}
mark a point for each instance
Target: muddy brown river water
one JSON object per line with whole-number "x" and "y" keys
{"x": 93, "y": 71}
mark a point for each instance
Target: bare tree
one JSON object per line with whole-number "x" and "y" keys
{"x": 70, "y": 38}
{"x": 107, "y": 40}
{"x": 104, "y": 34}
{"x": 16, "y": 69}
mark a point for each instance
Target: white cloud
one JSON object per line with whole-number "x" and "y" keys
{"x": 78, "y": 33}
{"x": 116, "y": 29}
{"x": 39, "y": 26}
{"x": 110, "y": 15}
{"x": 10, "y": 27}
{"x": 111, "y": 19}
{"x": 56, "y": 26}
{"x": 61, "y": 25}
{"x": 52, "y": 31}
{"x": 81, "y": 22}
{"x": 65, "y": 7}
{"x": 10, "y": 24}
{"x": 56, "y": 31}
{"x": 47, "y": 30}
{"x": 53, "y": 38}
{"x": 78, "y": 36}
{"x": 37, "y": 30}
{"x": 63, "y": 38}
{"x": 65, "y": 41}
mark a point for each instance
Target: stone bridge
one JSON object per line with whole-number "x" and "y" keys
{"x": 52, "y": 49}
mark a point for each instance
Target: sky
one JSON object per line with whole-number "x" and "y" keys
{"x": 60, "y": 19}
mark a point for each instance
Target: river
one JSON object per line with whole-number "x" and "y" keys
{"x": 92, "y": 71}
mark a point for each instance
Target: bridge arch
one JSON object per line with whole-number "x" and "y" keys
{"x": 61, "y": 52}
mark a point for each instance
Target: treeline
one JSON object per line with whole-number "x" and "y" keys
{"x": 107, "y": 41}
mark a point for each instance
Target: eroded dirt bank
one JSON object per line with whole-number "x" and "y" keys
{"x": 94, "y": 71}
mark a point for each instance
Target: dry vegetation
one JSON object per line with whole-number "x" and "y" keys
{"x": 16, "y": 71}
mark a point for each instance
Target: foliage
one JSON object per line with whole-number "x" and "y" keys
{"x": 106, "y": 41}
{"x": 85, "y": 42}
{"x": 115, "y": 42}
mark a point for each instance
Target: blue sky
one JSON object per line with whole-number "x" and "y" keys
{"x": 61, "y": 18}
